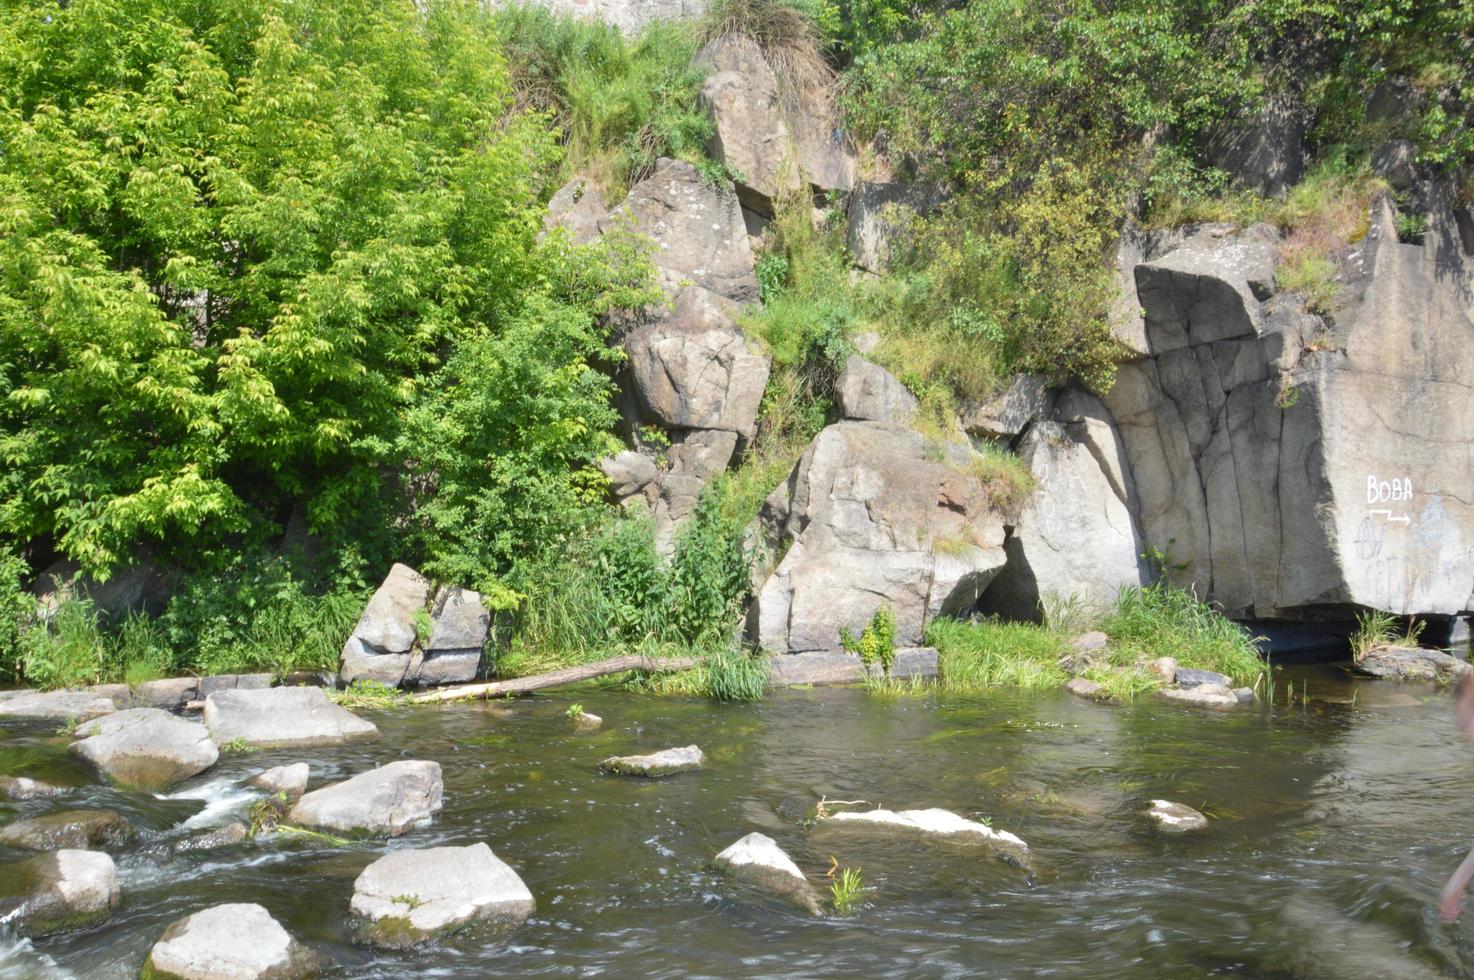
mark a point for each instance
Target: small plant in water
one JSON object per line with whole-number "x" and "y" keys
{"x": 237, "y": 744}
{"x": 846, "y": 889}
{"x": 574, "y": 710}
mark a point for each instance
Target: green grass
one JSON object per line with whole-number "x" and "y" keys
{"x": 986, "y": 654}
{"x": 368, "y": 694}
{"x": 846, "y": 890}
{"x": 1378, "y": 629}
{"x": 1163, "y": 621}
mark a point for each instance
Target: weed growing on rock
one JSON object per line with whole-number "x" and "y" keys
{"x": 1378, "y": 629}
{"x": 1161, "y": 620}
{"x": 876, "y": 644}
{"x": 366, "y": 693}
{"x": 846, "y": 890}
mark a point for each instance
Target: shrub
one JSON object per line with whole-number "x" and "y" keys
{"x": 17, "y": 611}
{"x": 876, "y": 644}
{"x": 68, "y": 650}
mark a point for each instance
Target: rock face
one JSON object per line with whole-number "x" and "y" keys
{"x": 757, "y": 860}
{"x": 50, "y": 893}
{"x": 386, "y": 801}
{"x": 62, "y": 706}
{"x": 873, "y": 515}
{"x": 1411, "y": 664}
{"x": 408, "y": 897}
{"x": 1266, "y": 153}
{"x": 868, "y": 392}
{"x": 629, "y": 473}
{"x": 936, "y": 824}
{"x": 697, "y": 228}
{"x": 459, "y": 624}
{"x": 291, "y": 780}
{"x": 1175, "y": 818}
{"x": 146, "y": 748}
{"x": 880, "y": 215}
{"x": 68, "y": 830}
{"x": 826, "y": 667}
{"x": 1028, "y": 397}
{"x": 1294, "y": 465}
{"x": 693, "y": 369}
{"x": 577, "y": 208}
{"x": 1075, "y": 539}
{"x": 238, "y": 941}
{"x": 666, "y": 762}
{"x": 280, "y": 716}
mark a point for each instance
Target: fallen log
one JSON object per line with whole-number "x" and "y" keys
{"x": 557, "y": 678}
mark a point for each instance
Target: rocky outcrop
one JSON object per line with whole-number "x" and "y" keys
{"x": 289, "y": 780}
{"x": 68, "y": 830}
{"x": 873, "y": 515}
{"x": 57, "y": 892}
{"x": 629, "y": 473}
{"x": 410, "y": 897}
{"x": 697, "y": 229}
{"x": 1175, "y": 818}
{"x": 54, "y": 706}
{"x": 934, "y": 824}
{"x": 146, "y": 748}
{"x": 240, "y": 941}
{"x": 386, "y": 801}
{"x": 666, "y": 762}
{"x": 868, "y": 392}
{"x": 1265, "y": 153}
{"x": 1295, "y": 465}
{"x": 577, "y": 207}
{"x": 281, "y": 716}
{"x": 1004, "y": 416}
{"x": 758, "y": 862}
{"x": 412, "y": 634}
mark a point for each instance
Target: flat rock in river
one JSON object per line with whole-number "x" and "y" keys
{"x": 291, "y": 780}
{"x": 1206, "y": 695}
{"x": 281, "y": 716}
{"x": 26, "y": 788}
{"x": 667, "y": 762}
{"x": 62, "y": 706}
{"x": 409, "y": 897}
{"x": 937, "y": 824}
{"x": 54, "y": 892}
{"x": 1410, "y": 664}
{"x": 758, "y": 861}
{"x": 239, "y": 941}
{"x": 388, "y": 800}
{"x": 68, "y": 829}
{"x": 1175, "y": 818}
{"x": 146, "y": 748}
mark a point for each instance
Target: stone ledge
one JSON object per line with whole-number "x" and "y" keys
{"x": 790, "y": 669}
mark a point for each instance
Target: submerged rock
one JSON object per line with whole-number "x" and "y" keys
{"x": 1207, "y": 695}
{"x": 936, "y": 824}
{"x": 667, "y": 762}
{"x": 281, "y": 716}
{"x": 49, "y": 893}
{"x": 25, "y": 788}
{"x": 290, "y": 780}
{"x": 409, "y": 897}
{"x": 61, "y": 706}
{"x": 69, "y": 830}
{"x": 586, "y": 721}
{"x": 209, "y": 840}
{"x": 146, "y": 748}
{"x": 238, "y": 941}
{"x": 758, "y": 861}
{"x": 1091, "y": 691}
{"x": 1410, "y": 664}
{"x": 1189, "y": 677}
{"x": 388, "y": 800}
{"x": 1175, "y": 818}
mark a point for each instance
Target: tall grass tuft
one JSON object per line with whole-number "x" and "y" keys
{"x": 989, "y": 653}
{"x": 1161, "y": 620}
{"x": 1378, "y": 629}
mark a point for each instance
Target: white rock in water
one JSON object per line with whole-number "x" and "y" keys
{"x": 291, "y": 780}
{"x": 55, "y": 706}
{"x": 935, "y": 823}
{"x": 146, "y": 748}
{"x": 410, "y": 897}
{"x": 26, "y": 788}
{"x": 239, "y": 941}
{"x": 388, "y": 800}
{"x": 1175, "y": 818}
{"x": 667, "y": 762}
{"x": 757, "y": 860}
{"x": 54, "y": 892}
{"x": 281, "y": 716}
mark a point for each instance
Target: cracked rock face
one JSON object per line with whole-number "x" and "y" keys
{"x": 1291, "y": 467}
{"x": 387, "y": 646}
{"x": 873, "y": 514}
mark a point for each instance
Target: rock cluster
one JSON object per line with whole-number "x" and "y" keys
{"x": 413, "y": 634}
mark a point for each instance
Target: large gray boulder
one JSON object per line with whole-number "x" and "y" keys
{"x": 757, "y": 861}
{"x": 1075, "y": 540}
{"x": 386, "y": 801}
{"x": 56, "y": 892}
{"x": 459, "y": 623}
{"x": 410, "y": 897}
{"x": 68, "y": 830}
{"x": 238, "y": 941}
{"x": 697, "y": 227}
{"x": 281, "y": 716}
{"x": 1401, "y": 663}
{"x": 874, "y": 514}
{"x": 1273, "y": 458}
{"x": 57, "y": 706}
{"x": 666, "y": 762}
{"x": 750, "y": 135}
{"x": 383, "y": 643}
{"x": 868, "y": 392}
{"x": 146, "y": 748}
{"x": 693, "y": 368}
{"x": 629, "y": 473}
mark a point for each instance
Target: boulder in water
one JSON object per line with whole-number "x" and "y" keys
{"x": 667, "y": 762}
{"x": 146, "y": 748}
{"x": 1410, "y": 664}
{"x": 209, "y": 840}
{"x": 26, "y": 788}
{"x": 387, "y": 801}
{"x": 758, "y": 861}
{"x": 58, "y": 706}
{"x": 1175, "y": 818}
{"x": 68, "y": 830}
{"x": 289, "y": 780}
{"x": 56, "y": 892}
{"x": 934, "y": 824}
{"x": 281, "y": 716}
{"x": 238, "y": 941}
{"x": 408, "y": 897}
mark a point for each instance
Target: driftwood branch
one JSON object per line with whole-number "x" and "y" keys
{"x": 557, "y": 678}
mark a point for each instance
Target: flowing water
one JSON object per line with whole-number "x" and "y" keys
{"x": 1334, "y": 825}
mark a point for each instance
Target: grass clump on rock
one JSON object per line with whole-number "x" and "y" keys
{"x": 1161, "y": 620}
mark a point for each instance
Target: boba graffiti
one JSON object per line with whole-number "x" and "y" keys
{"x": 1386, "y": 491}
